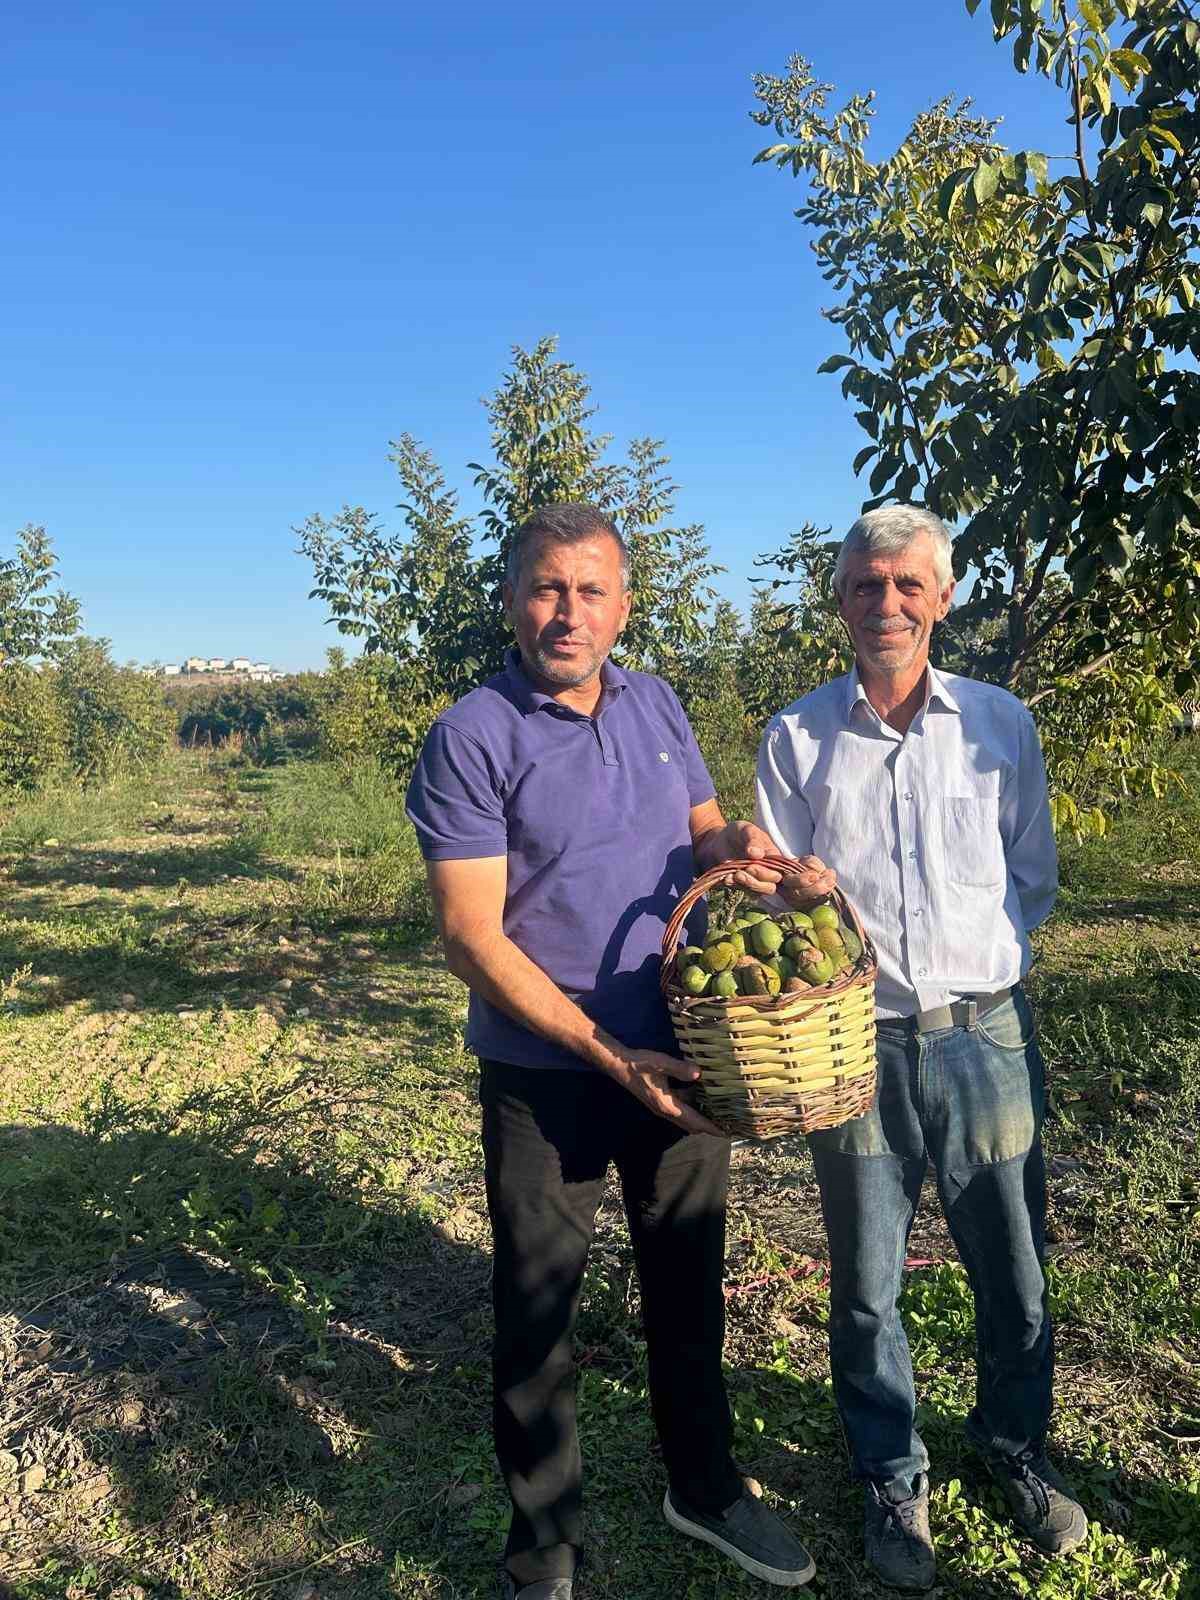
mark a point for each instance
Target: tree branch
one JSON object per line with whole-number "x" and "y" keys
{"x": 1083, "y": 672}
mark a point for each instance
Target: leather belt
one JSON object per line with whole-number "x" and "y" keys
{"x": 960, "y": 1014}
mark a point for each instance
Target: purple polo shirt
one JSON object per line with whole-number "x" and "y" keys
{"x": 592, "y": 814}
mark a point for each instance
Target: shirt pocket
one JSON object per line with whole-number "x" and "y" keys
{"x": 972, "y": 850}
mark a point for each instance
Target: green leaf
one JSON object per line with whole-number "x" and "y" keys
{"x": 983, "y": 184}
{"x": 1118, "y": 551}
{"x": 949, "y": 191}
{"x": 1039, "y": 282}
{"x": 1091, "y": 16}
{"x": 1063, "y": 812}
{"x": 1129, "y": 65}
{"x": 836, "y": 363}
{"x": 885, "y": 470}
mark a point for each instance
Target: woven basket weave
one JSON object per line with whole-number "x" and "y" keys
{"x": 776, "y": 1064}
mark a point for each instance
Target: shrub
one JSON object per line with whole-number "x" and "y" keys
{"x": 33, "y": 728}
{"x": 371, "y": 711}
{"x": 113, "y": 715}
{"x": 273, "y": 719}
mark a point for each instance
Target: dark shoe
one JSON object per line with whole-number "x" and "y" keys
{"x": 896, "y": 1541}
{"x": 547, "y": 1589}
{"x": 749, "y": 1533}
{"x": 1040, "y": 1500}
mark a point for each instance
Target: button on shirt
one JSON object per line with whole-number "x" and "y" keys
{"x": 941, "y": 837}
{"x": 592, "y": 813}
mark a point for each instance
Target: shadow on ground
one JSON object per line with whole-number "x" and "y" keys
{"x": 169, "y": 1368}
{"x": 188, "y": 1388}
{"x": 140, "y": 869}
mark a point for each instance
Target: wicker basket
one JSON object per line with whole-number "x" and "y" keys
{"x": 775, "y": 1064}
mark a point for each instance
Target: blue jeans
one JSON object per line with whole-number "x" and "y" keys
{"x": 971, "y": 1101}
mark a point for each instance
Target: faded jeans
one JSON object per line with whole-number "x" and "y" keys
{"x": 971, "y": 1101}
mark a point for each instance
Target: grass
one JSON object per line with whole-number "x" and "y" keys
{"x": 244, "y": 1258}
{"x": 73, "y": 812}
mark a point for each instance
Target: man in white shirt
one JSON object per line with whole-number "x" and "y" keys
{"x": 927, "y": 793}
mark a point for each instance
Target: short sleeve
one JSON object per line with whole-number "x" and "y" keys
{"x": 699, "y": 783}
{"x": 453, "y": 800}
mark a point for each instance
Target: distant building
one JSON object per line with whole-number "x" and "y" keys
{"x": 196, "y": 664}
{"x": 170, "y": 672}
{"x": 216, "y": 664}
{"x": 240, "y": 664}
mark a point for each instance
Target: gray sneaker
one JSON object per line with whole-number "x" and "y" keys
{"x": 547, "y": 1589}
{"x": 1040, "y": 1500}
{"x": 749, "y": 1533}
{"x": 897, "y": 1545}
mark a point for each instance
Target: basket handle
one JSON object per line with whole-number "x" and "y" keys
{"x": 724, "y": 874}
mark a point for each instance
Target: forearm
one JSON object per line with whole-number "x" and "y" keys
{"x": 492, "y": 966}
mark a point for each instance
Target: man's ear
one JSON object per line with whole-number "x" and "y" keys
{"x": 507, "y": 596}
{"x": 945, "y": 601}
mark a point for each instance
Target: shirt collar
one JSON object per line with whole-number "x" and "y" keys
{"x": 613, "y": 680}
{"x": 936, "y": 690}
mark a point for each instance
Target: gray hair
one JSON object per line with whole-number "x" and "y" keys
{"x": 569, "y": 523}
{"x": 889, "y": 529}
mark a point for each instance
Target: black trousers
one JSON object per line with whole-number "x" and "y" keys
{"x": 548, "y": 1140}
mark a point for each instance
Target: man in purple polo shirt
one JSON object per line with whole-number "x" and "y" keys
{"x": 562, "y": 808}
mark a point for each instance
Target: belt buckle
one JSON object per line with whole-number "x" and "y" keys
{"x": 972, "y": 1013}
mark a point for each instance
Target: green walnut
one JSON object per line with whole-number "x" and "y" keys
{"x": 766, "y": 938}
{"x": 695, "y": 979}
{"x": 717, "y": 957}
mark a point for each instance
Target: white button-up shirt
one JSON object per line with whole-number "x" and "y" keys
{"x": 940, "y": 837}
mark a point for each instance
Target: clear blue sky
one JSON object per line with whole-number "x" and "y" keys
{"x": 244, "y": 245}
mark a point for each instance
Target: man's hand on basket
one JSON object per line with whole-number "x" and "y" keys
{"x": 746, "y": 841}
{"x": 648, "y": 1075}
{"x": 813, "y": 882}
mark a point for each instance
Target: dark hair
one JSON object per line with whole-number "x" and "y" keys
{"x": 568, "y": 522}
